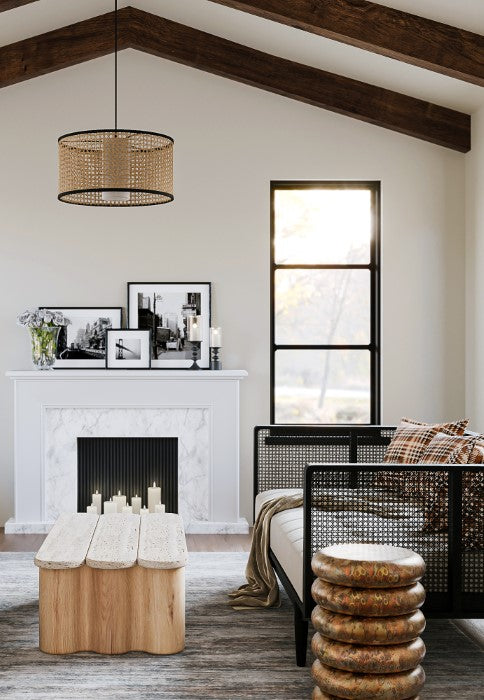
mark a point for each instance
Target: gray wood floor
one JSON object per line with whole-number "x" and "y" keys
{"x": 195, "y": 543}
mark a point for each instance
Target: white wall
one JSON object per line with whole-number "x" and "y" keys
{"x": 231, "y": 140}
{"x": 474, "y": 177}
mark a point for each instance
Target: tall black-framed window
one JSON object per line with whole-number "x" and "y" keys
{"x": 325, "y": 302}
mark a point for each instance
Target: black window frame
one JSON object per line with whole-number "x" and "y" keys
{"x": 374, "y": 266}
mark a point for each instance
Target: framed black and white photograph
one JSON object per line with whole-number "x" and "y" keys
{"x": 82, "y": 344}
{"x": 128, "y": 349}
{"x": 165, "y": 308}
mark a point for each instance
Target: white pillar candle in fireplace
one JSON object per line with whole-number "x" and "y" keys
{"x": 160, "y": 508}
{"x": 215, "y": 337}
{"x": 92, "y": 509}
{"x": 136, "y": 504}
{"x": 97, "y": 500}
{"x": 120, "y": 501}
{"x": 154, "y": 496}
{"x": 127, "y": 509}
{"x": 109, "y": 506}
{"x": 144, "y": 511}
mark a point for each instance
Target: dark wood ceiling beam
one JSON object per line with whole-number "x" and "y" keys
{"x": 140, "y": 30}
{"x": 336, "y": 93}
{"x": 406, "y": 37}
{"x": 60, "y": 48}
{"x": 11, "y": 4}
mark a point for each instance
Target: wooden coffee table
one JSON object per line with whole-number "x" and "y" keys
{"x": 113, "y": 583}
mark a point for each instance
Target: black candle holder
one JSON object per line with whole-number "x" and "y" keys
{"x": 195, "y": 350}
{"x": 215, "y": 362}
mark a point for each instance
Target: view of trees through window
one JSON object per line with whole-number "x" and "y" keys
{"x": 325, "y": 252}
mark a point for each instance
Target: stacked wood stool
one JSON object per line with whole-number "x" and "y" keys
{"x": 368, "y": 622}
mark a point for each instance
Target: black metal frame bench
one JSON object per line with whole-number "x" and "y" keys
{"x": 318, "y": 458}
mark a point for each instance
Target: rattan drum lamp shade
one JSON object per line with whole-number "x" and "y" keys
{"x": 115, "y": 167}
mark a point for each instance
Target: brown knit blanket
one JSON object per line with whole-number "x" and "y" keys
{"x": 262, "y": 588}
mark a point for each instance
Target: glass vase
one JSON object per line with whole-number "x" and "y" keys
{"x": 44, "y": 346}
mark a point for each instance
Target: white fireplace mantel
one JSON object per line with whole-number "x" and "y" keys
{"x": 54, "y": 408}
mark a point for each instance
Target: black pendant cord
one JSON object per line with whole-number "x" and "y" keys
{"x": 115, "y": 65}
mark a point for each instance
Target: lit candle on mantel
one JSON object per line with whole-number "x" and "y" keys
{"x": 144, "y": 511}
{"x": 154, "y": 496}
{"x": 194, "y": 328}
{"x": 216, "y": 337}
{"x": 120, "y": 502}
{"x": 97, "y": 500}
{"x": 136, "y": 504}
{"x": 160, "y": 508}
{"x": 109, "y": 507}
{"x": 92, "y": 509}
{"x": 127, "y": 509}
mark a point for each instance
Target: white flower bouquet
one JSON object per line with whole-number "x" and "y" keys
{"x": 44, "y": 326}
{"x": 42, "y": 317}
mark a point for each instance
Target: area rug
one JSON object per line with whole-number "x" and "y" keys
{"x": 229, "y": 654}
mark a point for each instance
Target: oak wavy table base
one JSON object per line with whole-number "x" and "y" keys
{"x": 363, "y": 686}
{"x": 112, "y": 611}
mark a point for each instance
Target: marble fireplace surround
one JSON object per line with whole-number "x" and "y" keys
{"x": 201, "y": 409}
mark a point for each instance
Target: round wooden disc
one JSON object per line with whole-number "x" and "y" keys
{"x": 318, "y": 694}
{"x": 368, "y": 630}
{"x": 363, "y": 686}
{"x": 368, "y": 565}
{"x": 376, "y": 602}
{"x": 358, "y": 658}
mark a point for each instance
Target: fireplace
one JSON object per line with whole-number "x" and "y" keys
{"x": 129, "y": 465}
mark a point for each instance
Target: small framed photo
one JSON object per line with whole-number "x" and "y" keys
{"x": 128, "y": 349}
{"x": 166, "y": 309}
{"x": 82, "y": 344}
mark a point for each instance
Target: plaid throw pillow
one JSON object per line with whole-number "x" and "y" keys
{"x": 455, "y": 428}
{"x": 449, "y": 449}
{"x": 408, "y": 444}
{"x": 411, "y": 439}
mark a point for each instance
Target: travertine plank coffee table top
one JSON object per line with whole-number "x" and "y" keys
{"x": 115, "y": 542}
{"x": 68, "y": 542}
{"x": 162, "y": 542}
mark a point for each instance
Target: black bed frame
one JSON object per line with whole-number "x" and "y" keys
{"x": 316, "y": 458}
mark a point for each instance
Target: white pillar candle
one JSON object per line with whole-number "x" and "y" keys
{"x": 154, "y": 496}
{"x": 109, "y": 507}
{"x": 160, "y": 508}
{"x": 215, "y": 337}
{"x": 97, "y": 500}
{"x": 120, "y": 501}
{"x": 91, "y": 509}
{"x": 136, "y": 504}
{"x": 144, "y": 511}
{"x": 194, "y": 328}
{"x": 127, "y": 509}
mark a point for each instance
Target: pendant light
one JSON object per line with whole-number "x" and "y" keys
{"x": 115, "y": 167}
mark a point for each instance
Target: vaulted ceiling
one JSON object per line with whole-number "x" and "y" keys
{"x": 381, "y": 64}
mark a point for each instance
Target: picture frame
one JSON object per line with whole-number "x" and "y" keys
{"x": 163, "y": 308}
{"x": 128, "y": 348}
{"x": 82, "y": 344}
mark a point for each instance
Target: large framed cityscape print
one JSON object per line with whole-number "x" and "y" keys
{"x": 164, "y": 308}
{"x": 82, "y": 344}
